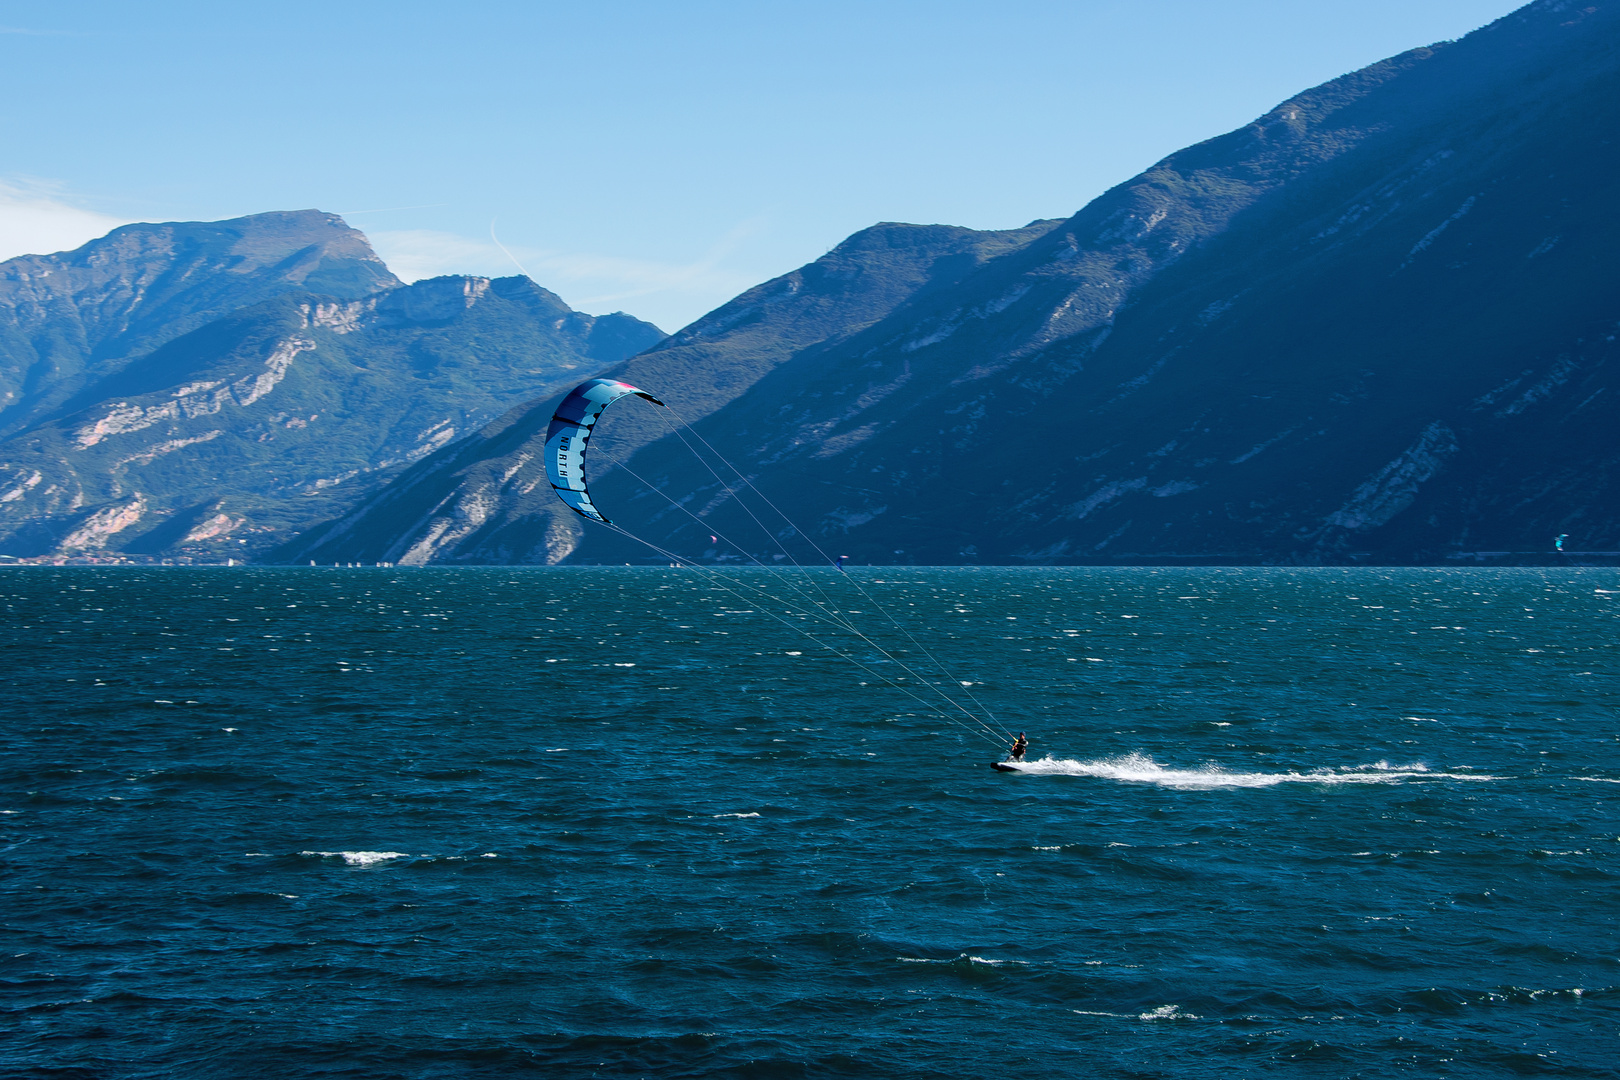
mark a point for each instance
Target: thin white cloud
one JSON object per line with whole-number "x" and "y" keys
{"x": 669, "y": 294}
{"x": 38, "y": 218}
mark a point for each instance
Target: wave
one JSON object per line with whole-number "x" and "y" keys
{"x": 1140, "y": 768}
{"x": 359, "y": 858}
{"x": 963, "y": 958}
{"x": 1163, "y": 1012}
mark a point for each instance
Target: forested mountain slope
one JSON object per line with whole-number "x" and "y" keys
{"x": 76, "y": 316}
{"x": 199, "y": 389}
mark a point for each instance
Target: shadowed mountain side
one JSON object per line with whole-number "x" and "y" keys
{"x": 488, "y": 501}
{"x": 1377, "y": 323}
{"x": 796, "y": 316}
{"x": 286, "y": 412}
{"x": 1401, "y": 354}
{"x": 77, "y": 316}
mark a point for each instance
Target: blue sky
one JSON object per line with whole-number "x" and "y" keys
{"x": 655, "y": 158}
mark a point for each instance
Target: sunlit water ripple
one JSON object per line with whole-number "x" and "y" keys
{"x": 618, "y": 822}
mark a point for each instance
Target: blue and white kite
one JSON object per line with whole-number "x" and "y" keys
{"x": 570, "y": 430}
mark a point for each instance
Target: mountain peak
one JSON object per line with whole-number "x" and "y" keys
{"x": 307, "y": 249}
{"x": 75, "y": 316}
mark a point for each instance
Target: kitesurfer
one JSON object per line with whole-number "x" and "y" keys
{"x": 1018, "y": 747}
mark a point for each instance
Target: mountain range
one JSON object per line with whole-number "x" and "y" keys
{"x": 1377, "y": 324}
{"x": 192, "y": 389}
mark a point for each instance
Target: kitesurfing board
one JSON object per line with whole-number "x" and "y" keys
{"x": 1006, "y": 766}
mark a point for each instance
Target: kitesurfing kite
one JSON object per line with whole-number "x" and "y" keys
{"x": 570, "y": 430}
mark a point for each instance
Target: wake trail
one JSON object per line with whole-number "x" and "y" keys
{"x": 1140, "y": 768}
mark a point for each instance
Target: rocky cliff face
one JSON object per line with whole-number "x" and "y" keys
{"x": 1377, "y": 324}
{"x": 255, "y": 423}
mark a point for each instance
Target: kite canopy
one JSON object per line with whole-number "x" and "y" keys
{"x": 570, "y": 429}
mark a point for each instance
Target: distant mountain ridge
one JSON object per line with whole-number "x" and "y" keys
{"x": 185, "y": 386}
{"x": 1377, "y": 324}
{"x": 69, "y": 318}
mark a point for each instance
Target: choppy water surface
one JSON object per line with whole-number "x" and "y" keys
{"x": 618, "y": 822}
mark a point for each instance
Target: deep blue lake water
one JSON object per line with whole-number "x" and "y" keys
{"x": 621, "y": 822}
